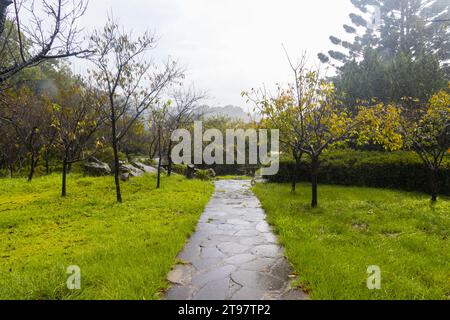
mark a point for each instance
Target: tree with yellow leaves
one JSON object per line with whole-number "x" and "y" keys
{"x": 76, "y": 114}
{"x": 423, "y": 128}
{"x": 310, "y": 117}
{"x": 426, "y": 130}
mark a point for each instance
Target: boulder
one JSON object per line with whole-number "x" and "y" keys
{"x": 131, "y": 170}
{"x": 125, "y": 177}
{"x": 96, "y": 168}
{"x": 144, "y": 167}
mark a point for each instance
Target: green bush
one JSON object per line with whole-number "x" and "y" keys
{"x": 179, "y": 168}
{"x": 107, "y": 155}
{"x": 397, "y": 170}
{"x": 204, "y": 175}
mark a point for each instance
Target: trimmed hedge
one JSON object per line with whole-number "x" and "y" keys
{"x": 397, "y": 170}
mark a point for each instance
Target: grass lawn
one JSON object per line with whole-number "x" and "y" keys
{"x": 124, "y": 251}
{"x": 332, "y": 246}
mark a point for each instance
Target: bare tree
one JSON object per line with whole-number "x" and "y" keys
{"x": 51, "y": 32}
{"x": 132, "y": 84}
{"x": 184, "y": 111}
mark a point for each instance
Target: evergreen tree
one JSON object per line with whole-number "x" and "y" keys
{"x": 405, "y": 51}
{"x": 390, "y": 26}
{"x": 389, "y": 80}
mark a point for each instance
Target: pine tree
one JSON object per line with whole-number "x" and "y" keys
{"x": 410, "y": 26}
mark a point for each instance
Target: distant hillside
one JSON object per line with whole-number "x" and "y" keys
{"x": 230, "y": 111}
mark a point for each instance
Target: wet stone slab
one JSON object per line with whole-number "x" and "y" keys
{"x": 233, "y": 255}
{"x": 267, "y": 250}
{"x": 257, "y": 280}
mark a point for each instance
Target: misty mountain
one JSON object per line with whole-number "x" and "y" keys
{"x": 230, "y": 111}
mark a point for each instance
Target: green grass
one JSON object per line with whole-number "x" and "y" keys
{"x": 332, "y": 246}
{"x": 124, "y": 251}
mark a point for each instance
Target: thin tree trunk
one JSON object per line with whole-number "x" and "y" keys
{"x": 314, "y": 180}
{"x": 32, "y": 167}
{"x": 117, "y": 171}
{"x": 434, "y": 185}
{"x": 294, "y": 172}
{"x": 11, "y": 170}
{"x": 64, "y": 178}
{"x": 116, "y": 158}
{"x": 169, "y": 157}
{"x": 158, "y": 182}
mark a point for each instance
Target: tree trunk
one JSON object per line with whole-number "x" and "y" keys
{"x": 11, "y": 170}
{"x": 314, "y": 180}
{"x": 294, "y": 173}
{"x": 169, "y": 157}
{"x": 117, "y": 170}
{"x": 32, "y": 167}
{"x": 64, "y": 178}
{"x": 115, "y": 146}
{"x": 116, "y": 160}
{"x": 434, "y": 185}
{"x": 158, "y": 182}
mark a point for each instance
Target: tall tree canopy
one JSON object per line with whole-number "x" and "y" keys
{"x": 400, "y": 48}
{"x": 391, "y": 26}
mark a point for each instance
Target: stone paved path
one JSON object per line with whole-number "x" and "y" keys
{"x": 233, "y": 254}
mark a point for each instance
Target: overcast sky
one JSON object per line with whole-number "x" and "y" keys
{"x": 229, "y": 46}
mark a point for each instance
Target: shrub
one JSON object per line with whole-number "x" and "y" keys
{"x": 397, "y": 170}
{"x": 204, "y": 175}
{"x": 179, "y": 168}
{"x": 107, "y": 155}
